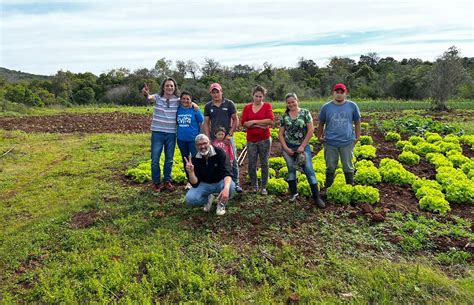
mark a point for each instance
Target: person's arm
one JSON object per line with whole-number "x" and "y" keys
{"x": 190, "y": 169}
{"x": 233, "y": 124}
{"x": 320, "y": 133}
{"x": 146, "y": 93}
{"x": 199, "y": 117}
{"x": 281, "y": 138}
{"x": 206, "y": 126}
{"x": 308, "y": 136}
{"x": 224, "y": 194}
{"x": 357, "y": 131}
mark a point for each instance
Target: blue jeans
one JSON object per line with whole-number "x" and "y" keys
{"x": 198, "y": 196}
{"x": 187, "y": 148}
{"x": 292, "y": 166}
{"x": 235, "y": 164}
{"x": 331, "y": 155}
{"x": 160, "y": 140}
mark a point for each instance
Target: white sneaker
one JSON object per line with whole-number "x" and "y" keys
{"x": 264, "y": 192}
{"x": 207, "y": 207}
{"x": 293, "y": 197}
{"x": 220, "y": 209}
{"x": 188, "y": 186}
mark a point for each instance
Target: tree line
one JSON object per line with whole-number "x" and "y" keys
{"x": 371, "y": 77}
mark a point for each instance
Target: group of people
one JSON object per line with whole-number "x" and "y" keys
{"x": 208, "y": 149}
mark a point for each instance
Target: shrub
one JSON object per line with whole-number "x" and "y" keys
{"x": 416, "y": 139}
{"x": 277, "y": 186}
{"x": 448, "y": 146}
{"x": 435, "y": 204}
{"x": 458, "y": 159}
{"x": 424, "y": 148}
{"x": 407, "y": 157}
{"x": 364, "y": 126}
{"x": 468, "y": 167}
{"x": 365, "y": 194}
{"x": 460, "y": 191}
{"x": 363, "y": 163}
{"x": 438, "y": 160}
{"x": 340, "y": 193}
{"x": 304, "y": 189}
{"x": 365, "y": 152}
{"x": 433, "y": 137}
{"x": 240, "y": 140}
{"x": 418, "y": 183}
{"x": 366, "y": 140}
{"x": 274, "y": 133}
{"x": 277, "y": 162}
{"x": 451, "y": 138}
{"x": 467, "y": 139}
{"x": 392, "y": 136}
{"x": 401, "y": 144}
{"x": 428, "y": 191}
{"x": 393, "y": 172}
{"x": 367, "y": 175}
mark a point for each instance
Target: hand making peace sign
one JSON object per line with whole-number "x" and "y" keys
{"x": 146, "y": 91}
{"x": 189, "y": 164}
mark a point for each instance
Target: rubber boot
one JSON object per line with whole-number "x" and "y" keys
{"x": 317, "y": 199}
{"x": 293, "y": 190}
{"x": 329, "y": 179}
{"x": 349, "y": 178}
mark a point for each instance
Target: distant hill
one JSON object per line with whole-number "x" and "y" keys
{"x": 12, "y": 76}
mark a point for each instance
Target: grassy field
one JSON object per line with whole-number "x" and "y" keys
{"x": 364, "y": 105}
{"x": 74, "y": 231}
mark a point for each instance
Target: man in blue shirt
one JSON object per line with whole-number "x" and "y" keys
{"x": 336, "y": 131}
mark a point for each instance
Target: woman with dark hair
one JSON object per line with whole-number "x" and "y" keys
{"x": 296, "y": 130}
{"x": 163, "y": 131}
{"x": 189, "y": 123}
{"x": 257, "y": 118}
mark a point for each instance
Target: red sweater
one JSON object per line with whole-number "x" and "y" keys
{"x": 256, "y": 134}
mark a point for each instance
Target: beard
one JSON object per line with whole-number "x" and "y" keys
{"x": 204, "y": 151}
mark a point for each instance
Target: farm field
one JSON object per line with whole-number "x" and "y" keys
{"x": 75, "y": 228}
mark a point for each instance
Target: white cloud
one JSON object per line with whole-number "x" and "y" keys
{"x": 99, "y": 36}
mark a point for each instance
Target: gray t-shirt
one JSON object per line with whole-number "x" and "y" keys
{"x": 339, "y": 120}
{"x": 219, "y": 116}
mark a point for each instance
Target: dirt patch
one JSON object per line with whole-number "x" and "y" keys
{"x": 115, "y": 122}
{"x": 84, "y": 219}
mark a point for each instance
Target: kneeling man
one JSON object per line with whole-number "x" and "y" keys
{"x": 209, "y": 173}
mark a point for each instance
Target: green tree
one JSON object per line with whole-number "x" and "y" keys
{"x": 447, "y": 74}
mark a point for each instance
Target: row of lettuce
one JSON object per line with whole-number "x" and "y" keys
{"x": 454, "y": 178}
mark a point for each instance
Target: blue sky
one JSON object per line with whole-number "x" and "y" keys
{"x": 43, "y": 37}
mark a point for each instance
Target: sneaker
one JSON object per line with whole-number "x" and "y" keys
{"x": 255, "y": 190}
{"x": 168, "y": 186}
{"x": 264, "y": 192}
{"x": 207, "y": 207}
{"x": 293, "y": 196}
{"x": 238, "y": 189}
{"x": 220, "y": 209}
{"x": 188, "y": 186}
{"x": 156, "y": 187}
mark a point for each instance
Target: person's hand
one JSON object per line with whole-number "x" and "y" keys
{"x": 300, "y": 149}
{"x": 289, "y": 151}
{"x": 223, "y": 195}
{"x": 228, "y": 138}
{"x": 321, "y": 139}
{"x": 356, "y": 140}
{"x": 146, "y": 91}
{"x": 195, "y": 106}
{"x": 189, "y": 164}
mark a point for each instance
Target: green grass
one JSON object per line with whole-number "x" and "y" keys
{"x": 139, "y": 247}
{"x": 315, "y": 105}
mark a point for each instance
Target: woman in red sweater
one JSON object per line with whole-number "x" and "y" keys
{"x": 257, "y": 118}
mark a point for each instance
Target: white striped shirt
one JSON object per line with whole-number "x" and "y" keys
{"x": 164, "y": 114}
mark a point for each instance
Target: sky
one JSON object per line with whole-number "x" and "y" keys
{"x": 43, "y": 37}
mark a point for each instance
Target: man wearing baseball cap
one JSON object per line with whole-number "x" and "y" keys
{"x": 339, "y": 131}
{"x": 221, "y": 112}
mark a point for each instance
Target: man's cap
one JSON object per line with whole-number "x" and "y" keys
{"x": 340, "y": 86}
{"x": 215, "y": 86}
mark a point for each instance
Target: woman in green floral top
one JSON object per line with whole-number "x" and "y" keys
{"x": 295, "y": 131}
